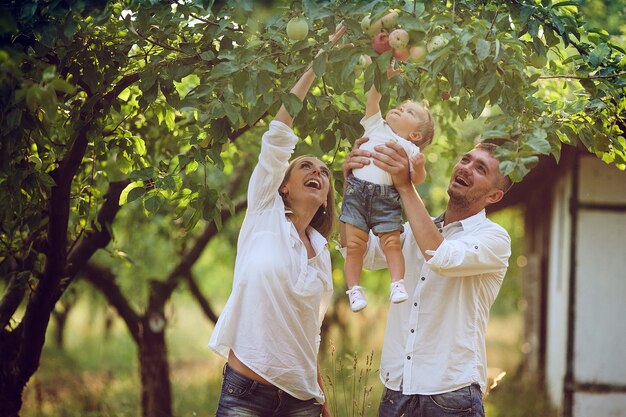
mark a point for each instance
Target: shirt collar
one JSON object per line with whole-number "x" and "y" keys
{"x": 317, "y": 240}
{"x": 467, "y": 223}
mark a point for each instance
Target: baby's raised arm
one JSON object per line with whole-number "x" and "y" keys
{"x": 372, "y": 102}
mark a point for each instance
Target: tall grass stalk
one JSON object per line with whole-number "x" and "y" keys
{"x": 354, "y": 399}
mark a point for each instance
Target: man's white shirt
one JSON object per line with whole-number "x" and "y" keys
{"x": 435, "y": 341}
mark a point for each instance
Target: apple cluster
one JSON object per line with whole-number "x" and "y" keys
{"x": 386, "y": 36}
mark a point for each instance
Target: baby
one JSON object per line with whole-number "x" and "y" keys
{"x": 370, "y": 201}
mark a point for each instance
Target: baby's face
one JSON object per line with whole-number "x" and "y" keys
{"x": 405, "y": 118}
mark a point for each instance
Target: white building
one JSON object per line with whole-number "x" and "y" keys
{"x": 575, "y": 281}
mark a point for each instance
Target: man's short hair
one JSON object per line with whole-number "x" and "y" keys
{"x": 505, "y": 183}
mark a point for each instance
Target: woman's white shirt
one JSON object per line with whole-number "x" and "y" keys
{"x": 273, "y": 316}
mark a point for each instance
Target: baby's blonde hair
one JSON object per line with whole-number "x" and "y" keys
{"x": 427, "y": 125}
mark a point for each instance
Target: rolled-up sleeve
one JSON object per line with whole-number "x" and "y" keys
{"x": 472, "y": 255}
{"x": 277, "y": 146}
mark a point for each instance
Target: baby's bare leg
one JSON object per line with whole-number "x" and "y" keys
{"x": 392, "y": 248}
{"x": 356, "y": 244}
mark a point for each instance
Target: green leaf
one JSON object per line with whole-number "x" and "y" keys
{"x": 537, "y": 141}
{"x": 140, "y": 146}
{"x": 132, "y": 191}
{"x": 147, "y": 81}
{"x": 565, "y": 3}
{"x": 292, "y": 103}
{"x": 483, "y": 48}
{"x": 62, "y": 86}
{"x": 222, "y": 69}
{"x": 144, "y": 174}
{"x": 599, "y": 54}
{"x": 319, "y": 64}
{"x": 485, "y": 84}
{"x": 207, "y": 55}
{"x": 232, "y": 113}
{"x": 506, "y": 167}
{"x": 153, "y": 203}
{"x": 170, "y": 119}
{"x": 167, "y": 183}
{"x": 46, "y": 180}
{"x": 191, "y": 167}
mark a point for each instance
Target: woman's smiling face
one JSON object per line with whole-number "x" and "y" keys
{"x": 308, "y": 177}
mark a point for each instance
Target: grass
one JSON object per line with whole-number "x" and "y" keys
{"x": 96, "y": 375}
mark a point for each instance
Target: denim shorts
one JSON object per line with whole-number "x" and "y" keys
{"x": 370, "y": 206}
{"x": 464, "y": 402}
{"x": 244, "y": 397}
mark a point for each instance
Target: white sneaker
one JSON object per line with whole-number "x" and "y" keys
{"x": 357, "y": 298}
{"x": 398, "y": 292}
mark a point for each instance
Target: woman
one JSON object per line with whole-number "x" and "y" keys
{"x": 269, "y": 329}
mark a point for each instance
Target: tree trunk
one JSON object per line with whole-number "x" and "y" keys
{"x": 10, "y": 376}
{"x": 60, "y": 319}
{"x": 156, "y": 392}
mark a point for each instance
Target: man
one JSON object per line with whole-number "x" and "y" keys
{"x": 434, "y": 357}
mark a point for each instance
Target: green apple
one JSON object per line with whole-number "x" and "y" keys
{"x": 390, "y": 19}
{"x": 435, "y": 43}
{"x": 370, "y": 28}
{"x": 363, "y": 62}
{"x": 399, "y": 39}
{"x": 297, "y": 29}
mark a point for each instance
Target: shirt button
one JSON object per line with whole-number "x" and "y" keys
{"x": 412, "y": 330}
{"x": 440, "y": 230}
{"x": 475, "y": 247}
{"x": 423, "y": 278}
{"x": 415, "y": 304}
{"x": 408, "y": 357}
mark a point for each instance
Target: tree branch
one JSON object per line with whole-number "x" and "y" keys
{"x": 236, "y": 133}
{"x": 201, "y": 299}
{"x": 100, "y": 235}
{"x": 189, "y": 258}
{"x": 104, "y": 280}
{"x": 11, "y": 300}
{"x": 577, "y": 77}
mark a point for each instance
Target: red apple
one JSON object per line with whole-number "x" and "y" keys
{"x": 380, "y": 42}
{"x": 398, "y": 39}
{"x": 401, "y": 54}
{"x": 417, "y": 53}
